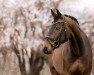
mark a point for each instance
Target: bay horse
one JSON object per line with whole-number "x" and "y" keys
{"x": 67, "y": 47}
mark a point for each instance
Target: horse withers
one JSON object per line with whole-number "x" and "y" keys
{"x": 67, "y": 47}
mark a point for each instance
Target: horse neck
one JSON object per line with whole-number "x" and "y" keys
{"x": 76, "y": 39}
{"x": 74, "y": 45}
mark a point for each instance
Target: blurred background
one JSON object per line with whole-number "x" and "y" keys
{"x": 24, "y": 23}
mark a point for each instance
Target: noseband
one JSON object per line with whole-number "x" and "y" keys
{"x": 55, "y": 42}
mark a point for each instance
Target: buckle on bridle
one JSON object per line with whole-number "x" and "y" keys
{"x": 56, "y": 44}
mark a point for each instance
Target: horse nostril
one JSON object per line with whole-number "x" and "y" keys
{"x": 45, "y": 50}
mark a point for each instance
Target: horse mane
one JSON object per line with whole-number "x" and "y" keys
{"x": 73, "y": 18}
{"x": 76, "y": 36}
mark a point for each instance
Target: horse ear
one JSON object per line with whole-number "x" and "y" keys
{"x": 58, "y": 13}
{"x": 55, "y": 16}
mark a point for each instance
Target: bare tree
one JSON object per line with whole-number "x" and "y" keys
{"x": 35, "y": 61}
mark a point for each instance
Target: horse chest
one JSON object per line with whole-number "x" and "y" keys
{"x": 61, "y": 59}
{"x": 57, "y": 60}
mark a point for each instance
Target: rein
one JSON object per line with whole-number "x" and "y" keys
{"x": 55, "y": 42}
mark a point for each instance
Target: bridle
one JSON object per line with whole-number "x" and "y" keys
{"x": 55, "y": 42}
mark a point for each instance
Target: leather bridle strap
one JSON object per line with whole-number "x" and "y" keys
{"x": 56, "y": 42}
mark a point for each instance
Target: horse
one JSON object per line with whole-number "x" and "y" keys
{"x": 67, "y": 47}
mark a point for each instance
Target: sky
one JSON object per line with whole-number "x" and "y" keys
{"x": 72, "y": 7}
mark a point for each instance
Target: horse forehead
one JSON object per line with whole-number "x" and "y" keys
{"x": 67, "y": 20}
{"x": 60, "y": 20}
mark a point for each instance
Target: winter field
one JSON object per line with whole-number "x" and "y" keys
{"x": 23, "y": 23}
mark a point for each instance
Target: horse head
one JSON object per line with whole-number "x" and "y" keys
{"x": 57, "y": 33}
